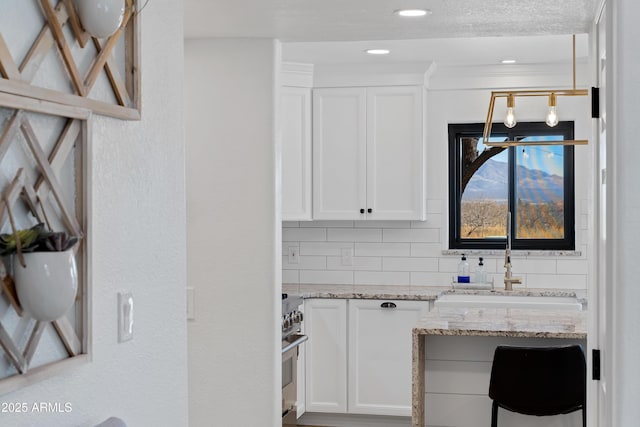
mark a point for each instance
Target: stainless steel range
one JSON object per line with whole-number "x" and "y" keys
{"x": 291, "y": 339}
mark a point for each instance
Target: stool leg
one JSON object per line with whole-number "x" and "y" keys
{"x": 494, "y": 414}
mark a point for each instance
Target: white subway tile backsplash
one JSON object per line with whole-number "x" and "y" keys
{"x": 433, "y": 221}
{"x": 422, "y": 278}
{"x": 383, "y": 249}
{"x": 584, "y": 206}
{"x": 290, "y": 276}
{"x": 577, "y": 266}
{"x": 498, "y": 280}
{"x": 304, "y": 234}
{"x": 532, "y": 265}
{"x": 427, "y": 235}
{"x": 410, "y": 253}
{"x": 359, "y": 263}
{"x": 558, "y": 281}
{"x": 383, "y": 224}
{"x": 409, "y": 264}
{"x": 420, "y": 224}
{"x": 449, "y": 264}
{"x": 426, "y": 249}
{"x": 381, "y": 278}
{"x": 491, "y": 265}
{"x": 584, "y": 252}
{"x": 434, "y": 206}
{"x": 327, "y": 224}
{"x": 354, "y": 234}
{"x": 324, "y": 248}
{"x": 305, "y": 263}
{"x": 326, "y": 277}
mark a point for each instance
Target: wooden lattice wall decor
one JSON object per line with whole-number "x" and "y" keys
{"x": 84, "y": 61}
{"x": 53, "y": 77}
{"x": 43, "y": 158}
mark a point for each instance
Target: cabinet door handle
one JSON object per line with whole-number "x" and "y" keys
{"x": 361, "y": 210}
{"x": 388, "y": 305}
{"x": 369, "y": 210}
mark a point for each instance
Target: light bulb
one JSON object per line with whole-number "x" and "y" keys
{"x": 378, "y": 51}
{"x": 552, "y": 115}
{"x": 510, "y": 118}
{"x": 412, "y": 13}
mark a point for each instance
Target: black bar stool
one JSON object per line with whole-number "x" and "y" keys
{"x": 538, "y": 381}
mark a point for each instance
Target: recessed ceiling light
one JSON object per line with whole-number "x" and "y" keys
{"x": 378, "y": 51}
{"x": 508, "y": 61}
{"x": 412, "y": 13}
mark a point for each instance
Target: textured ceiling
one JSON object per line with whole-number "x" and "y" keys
{"x": 349, "y": 20}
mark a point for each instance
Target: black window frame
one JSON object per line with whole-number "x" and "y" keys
{"x": 525, "y": 129}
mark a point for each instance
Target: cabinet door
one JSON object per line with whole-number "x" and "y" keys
{"x": 326, "y": 355}
{"x": 295, "y": 106}
{"x": 395, "y": 153}
{"x": 301, "y": 374}
{"x": 339, "y": 153}
{"x": 380, "y": 346}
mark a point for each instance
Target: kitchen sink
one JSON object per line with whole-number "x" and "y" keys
{"x": 508, "y": 301}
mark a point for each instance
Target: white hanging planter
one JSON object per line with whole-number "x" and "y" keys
{"x": 48, "y": 285}
{"x": 101, "y": 18}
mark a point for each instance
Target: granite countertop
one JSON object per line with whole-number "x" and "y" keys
{"x": 416, "y": 293}
{"x": 503, "y": 322}
{"x": 396, "y": 292}
{"x": 486, "y": 322}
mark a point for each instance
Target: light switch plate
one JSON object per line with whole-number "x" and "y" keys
{"x": 294, "y": 254}
{"x": 125, "y": 316}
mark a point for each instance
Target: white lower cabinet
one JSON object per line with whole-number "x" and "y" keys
{"x": 325, "y": 323}
{"x": 380, "y": 355}
{"x": 358, "y": 357}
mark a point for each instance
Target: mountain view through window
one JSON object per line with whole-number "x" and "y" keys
{"x": 530, "y": 181}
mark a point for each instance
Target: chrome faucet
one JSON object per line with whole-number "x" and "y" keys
{"x": 509, "y": 280}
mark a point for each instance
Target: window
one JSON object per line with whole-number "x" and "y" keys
{"x": 534, "y": 183}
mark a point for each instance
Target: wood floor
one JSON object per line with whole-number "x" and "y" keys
{"x": 288, "y": 425}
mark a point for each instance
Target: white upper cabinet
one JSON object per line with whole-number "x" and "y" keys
{"x": 369, "y": 153}
{"x": 339, "y": 153}
{"x": 295, "y": 104}
{"x": 395, "y": 153}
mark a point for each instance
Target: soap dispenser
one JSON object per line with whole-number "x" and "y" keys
{"x": 481, "y": 275}
{"x": 463, "y": 270}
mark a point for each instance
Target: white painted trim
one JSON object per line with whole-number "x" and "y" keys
{"x": 345, "y": 420}
{"x": 595, "y": 289}
{"x": 296, "y": 74}
{"x": 359, "y": 75}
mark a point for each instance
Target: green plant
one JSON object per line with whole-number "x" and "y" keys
{"x": 36, "y": 239}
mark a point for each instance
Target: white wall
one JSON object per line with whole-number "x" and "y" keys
{"x": 233, "y": 232}
{"x": 138, "y": 244}
{"x": 410, "y": 252}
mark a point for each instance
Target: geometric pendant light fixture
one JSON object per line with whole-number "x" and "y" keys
{"x": 551, "y": 96}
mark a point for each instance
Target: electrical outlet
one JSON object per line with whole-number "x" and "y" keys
{"x": 125, "y": 316}
{"x": 294, "y": 254}
{"x": 347, "y": 256}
